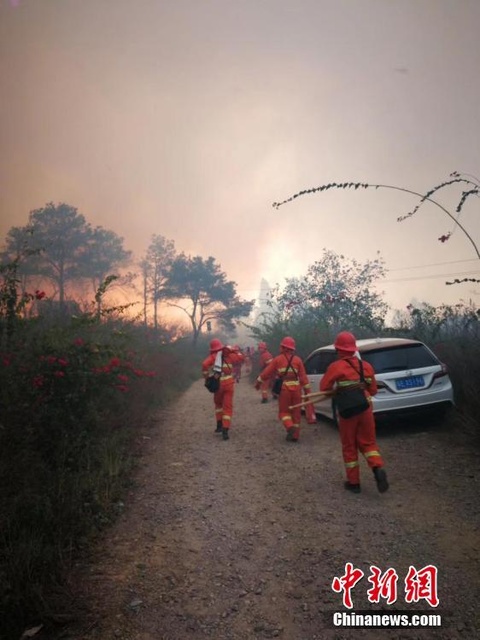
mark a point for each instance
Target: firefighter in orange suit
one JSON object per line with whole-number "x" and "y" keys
{"x": 223, "y": 398}
{"x": 237, "y": 367}
{"x": 358, "y": 432}
{"x": 290, "y": 368}
{"x": 265, "y": 359}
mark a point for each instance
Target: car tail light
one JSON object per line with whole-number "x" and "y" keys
{"x": 443, "y": 372}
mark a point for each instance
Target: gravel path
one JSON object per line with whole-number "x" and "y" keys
{"x": 241, "y": 540}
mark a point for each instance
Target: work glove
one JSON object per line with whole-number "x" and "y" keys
{"x": 258, "y": 384}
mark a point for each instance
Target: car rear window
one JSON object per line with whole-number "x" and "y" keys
{"x": 318, "y": 362}
{"x": 412, "y": 356}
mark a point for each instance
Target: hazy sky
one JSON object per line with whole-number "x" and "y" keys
{"x": 189, "y": 118}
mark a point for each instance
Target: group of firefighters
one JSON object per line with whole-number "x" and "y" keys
{"x": 284, "y": 376}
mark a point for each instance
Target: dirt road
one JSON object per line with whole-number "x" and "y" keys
{"x": 241, "y": 539}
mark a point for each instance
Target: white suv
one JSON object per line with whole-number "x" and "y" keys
{"x": 409, "y": 376}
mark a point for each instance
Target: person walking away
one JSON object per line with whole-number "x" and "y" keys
{"x": 290, "y": 370}
{"x": 222, "y": 358}
{"x": 237, "y": 367}
{"x": 265, "y": 359}
{"x": 357, "y": 433}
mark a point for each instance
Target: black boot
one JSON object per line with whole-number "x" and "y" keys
{"x": 264, "y": 400}
{"x": 354, "y": 488}
{"x": 225, "y": 433}
{"x": 290, "y": 437}
{"x": 381, "y": 479}
{"x": 219, "y": 427}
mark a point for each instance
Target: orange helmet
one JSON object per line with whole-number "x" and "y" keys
{"x": 262, "y": 346}
{"x": 345, "y": 341}
{"x": 215, "y": 345}
{"x": 288, "y": 343}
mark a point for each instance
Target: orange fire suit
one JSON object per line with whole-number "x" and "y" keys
{"x": 237, "y": 366}
{"x": 294, "y": 378}
{"x": 265, "y": 359}
{"x": 223, "y": 398}
{"x": 358, "y": 432}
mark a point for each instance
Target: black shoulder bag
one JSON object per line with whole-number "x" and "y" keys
{"x": 278, "y": 382}
{"x": 352, "y": 402}
{"x": 212, "y": 382}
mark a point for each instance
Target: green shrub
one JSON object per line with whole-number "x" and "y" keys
{"x": 72, "y": 400}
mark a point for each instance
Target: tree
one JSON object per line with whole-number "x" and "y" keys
{"x": 473, "y": 189}
{"x": 59, "y": 245}
{"x": 102, "y": 254}
{"x": 56, "y": 237}
{"x": 201, "y": 290}
{"x": 155, "y": 269}
{"x": 17, "y": 252}
{"x": 336, "y": 293}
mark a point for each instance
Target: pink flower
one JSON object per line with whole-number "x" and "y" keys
{"x": 115, "y": 362}
{"x": 38, "y": 381}
{"x": 122, "y": 378}
{"x": 59, "y": 374}
{"x": 78, "y": 342}
{"x": 62, "y": 362}
{"x": 105, "y": 369}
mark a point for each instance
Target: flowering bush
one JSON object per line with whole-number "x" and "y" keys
{"x": 72, "y": 398}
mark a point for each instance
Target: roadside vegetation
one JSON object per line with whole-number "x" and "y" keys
{"x": 75, "y": 393}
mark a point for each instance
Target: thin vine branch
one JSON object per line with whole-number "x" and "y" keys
{"x": 424, "y": 197}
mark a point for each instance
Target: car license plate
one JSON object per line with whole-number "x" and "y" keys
{"x": 409, "y": 383}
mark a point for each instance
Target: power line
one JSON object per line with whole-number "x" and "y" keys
{"x": 434, "y": 264}
{"x": 255, "y": 290}
{"x": 437, "y": 275}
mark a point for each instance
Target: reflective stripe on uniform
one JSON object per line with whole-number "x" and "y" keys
{"x": 225, "y": 378}
{"x": 348, "y": 383}
{"x": 369, "y": 454}
{"x": 350, "y": 465}
{"x": 291, "y": 383}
